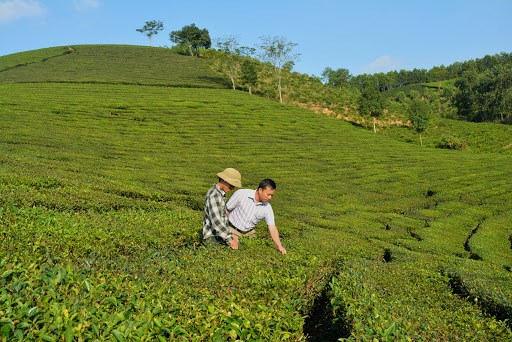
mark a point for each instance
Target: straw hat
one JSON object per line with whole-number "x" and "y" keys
{"x": 231, "y": 176}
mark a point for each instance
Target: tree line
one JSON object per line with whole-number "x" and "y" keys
{"x": 238, "y": 63}
{"x": 483, "y": 87}
{"x": 395, "y": 79}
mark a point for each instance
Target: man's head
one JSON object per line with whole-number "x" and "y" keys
{"x": 266, "y": 190}
{"x": 230, "y": 178}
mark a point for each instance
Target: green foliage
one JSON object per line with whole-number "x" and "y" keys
{"x": 192, "y": 38}
{"x": 452, "y": 143}
{"x": 249, "y": 74}
{"x": 476, "y": 90}
{"x": 280, "y": 54}
{"x": 419, "y": 115}
{"x": 151, "y": 28}
{"x": 389, "y": 302}
{"x": 101, "y": 190}
{"x": 371, "y": 103}
{"x": 336, "y": 78}
{"x": 486, "y": 96}
{"x": 228, "y": 59}
{"x": 437, "y": 75}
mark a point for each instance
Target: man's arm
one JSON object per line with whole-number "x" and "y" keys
{"x": 274, "y": 234}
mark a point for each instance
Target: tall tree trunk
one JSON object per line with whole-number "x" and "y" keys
{"x": 279, "y": 89}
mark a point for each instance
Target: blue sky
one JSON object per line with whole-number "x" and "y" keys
{"x": 363, "y": 36}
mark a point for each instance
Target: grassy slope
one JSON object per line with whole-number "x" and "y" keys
{"x": 109, "y": 178}
{"x": 441, "y": 131}
{"x": 100, "y": 64}
{"x": 35, "y": 56}
{"x": 472, "y": 137}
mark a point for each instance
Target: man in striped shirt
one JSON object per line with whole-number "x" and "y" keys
{"x": 215, "y": 222}
{"x": 248, "y": 207}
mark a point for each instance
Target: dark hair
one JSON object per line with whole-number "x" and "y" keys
{"x": 267, "y": 182}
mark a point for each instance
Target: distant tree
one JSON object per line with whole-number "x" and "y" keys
{"x": 279, "y": 53}
{"x": 336, "y": 78}
{"x": 371, "y": 102}
{"x": 229, "y": 58}
{"x": 418, "y": 76}
{"x": 494, "y": 92}
{"x": 192, "y": 38}
{"x": 438, "y": 74}
{"x": 466, "y": 99}
{"x": 484, "y": 89}
{"x": 249, "y": 74}
{"x": 384, "y": 81}
{"x": 364, "y": 81}
{"x": 419, "y": 115}
{"x": 247, "y": 51}
{"x": 507, "y": 106}
{"x": 151, "y": 28}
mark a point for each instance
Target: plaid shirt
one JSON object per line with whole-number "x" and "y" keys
{"x": 215, "y": 222}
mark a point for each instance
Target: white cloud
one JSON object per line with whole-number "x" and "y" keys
{"x": 87, "y": 4}
{"x": 382, "y": 64}
{"x": 15, "y": 9}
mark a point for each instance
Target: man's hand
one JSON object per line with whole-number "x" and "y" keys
{"x": 233, "y": 244}
{"x": 274, "y": 234}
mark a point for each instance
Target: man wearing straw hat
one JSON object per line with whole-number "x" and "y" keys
{"x": 215, "y": 223}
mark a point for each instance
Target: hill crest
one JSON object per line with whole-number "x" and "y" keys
{"x": 109, "y": 64}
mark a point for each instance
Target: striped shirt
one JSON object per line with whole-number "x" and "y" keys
{"x": 215, "y": 222}
{"x": 245, "y": 212}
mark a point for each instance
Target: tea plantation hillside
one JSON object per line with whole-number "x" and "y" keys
{"x": 118, "y": 64}
{"x": 102, "y": 179}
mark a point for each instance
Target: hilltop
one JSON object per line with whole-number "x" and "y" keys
{"x": 106, "y": 153}
{"x": 112, "y": 64}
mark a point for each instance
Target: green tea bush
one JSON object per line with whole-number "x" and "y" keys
{"x": 452, "y": 143}
{"x": 484, "y": 287}
{"x": 35, "y": 56}
{"x": 395, "y": 301}
{"x": 111, "y": 64}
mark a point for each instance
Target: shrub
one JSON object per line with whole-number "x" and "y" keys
{"x": 452, "y": 143}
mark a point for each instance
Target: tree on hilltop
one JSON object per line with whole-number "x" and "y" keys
{"x": 230, "y": 59}
{"x": 191, "y": 38}
{"x": 279, "y": 53}
{"x": 151, "y": 28}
